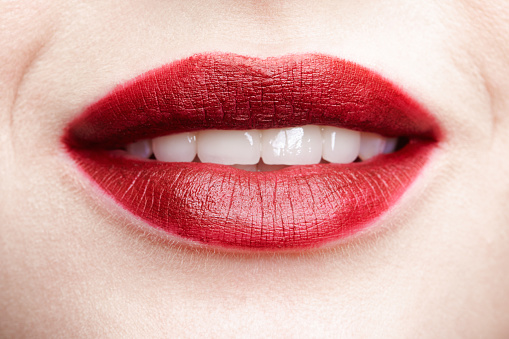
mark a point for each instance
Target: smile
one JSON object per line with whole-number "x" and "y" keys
{"x": 254, "y": 150}
{"x": 229, "y": 151}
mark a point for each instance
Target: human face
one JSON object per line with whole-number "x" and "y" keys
{"x": 76, "y": 263}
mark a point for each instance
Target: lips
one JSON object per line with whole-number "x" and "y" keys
{"x": 297, "y": 207}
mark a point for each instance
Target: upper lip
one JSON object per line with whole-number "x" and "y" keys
{"x": 204, "y": 92}
{"x": 305, "y": 206}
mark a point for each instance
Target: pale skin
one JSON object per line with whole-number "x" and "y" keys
{"x": 74, "y": 267}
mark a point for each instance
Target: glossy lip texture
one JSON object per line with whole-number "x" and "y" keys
{"x": 294, "y": 208}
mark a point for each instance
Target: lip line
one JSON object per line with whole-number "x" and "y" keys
{"x": 84, "y": 146}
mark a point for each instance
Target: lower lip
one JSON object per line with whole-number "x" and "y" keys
{"x": 298, "y": 207}
{"x": 295, "y": 208}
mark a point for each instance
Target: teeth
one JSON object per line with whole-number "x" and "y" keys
{"x": 292, "y": 146}
{"x": 371, "y": 145}
{"x": 390, "y": 145}
{"x": 179, "y": 147}
{"x": 140, "y": 149}
{"x": 340, "y": 146}
{"x": 270, "y": 149}
{"x": 229, "y": 147}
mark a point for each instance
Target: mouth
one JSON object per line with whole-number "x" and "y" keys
{"x": 229, "y": 151}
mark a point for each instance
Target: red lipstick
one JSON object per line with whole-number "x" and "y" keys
{"x": 294, "y": 208}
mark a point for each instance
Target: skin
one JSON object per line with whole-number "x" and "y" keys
{"x": 74, "y": 265}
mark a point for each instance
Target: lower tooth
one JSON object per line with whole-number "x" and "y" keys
{"x": 249, "y": 168}
{"x": 263, "y": 167}
{"x": 260, "y": 167}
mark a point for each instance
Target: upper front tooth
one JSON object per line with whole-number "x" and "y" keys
{"x": 280, "y": 146}
{"x": 371, "y": 145}
{"x": 179, "y": 147}
{"x": 340, "y": 146}
{"x": 292, "y": 146}
{"x": 229, "y": 147}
